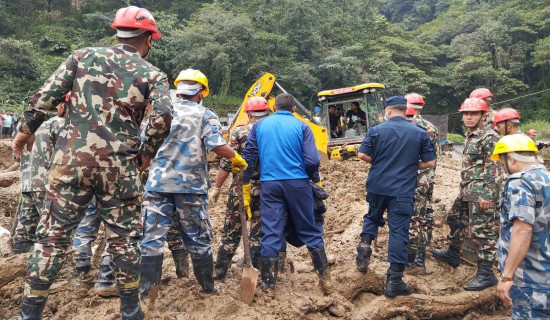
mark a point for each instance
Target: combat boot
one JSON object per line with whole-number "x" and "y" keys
{"x": 182, "y": 263}
{"x": 364, "y": 252}
{"x": 411, "y": 255}
{"x": 451, "y": 256}
{"x": 203, "y": 269}
{"x": 420, "y": 260}
{"x": 105, "y": 283}
{"x": 269, "y": 272}
{"x": 31, "y": 308}
{"x": 395, "y": 285}
{"x": 130, "y": 308}
{"x": 485, "y": 277}
{"x": 223, "y": 262}
{"x": 282, "y": 261}
{"x": 255, "y": 257}
{"x": 151, "y": 271}
{"x": 320, "y": 263}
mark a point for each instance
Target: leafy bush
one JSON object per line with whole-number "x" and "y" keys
{"x": 455, "y": 138}
{"x": 542, "y": 127}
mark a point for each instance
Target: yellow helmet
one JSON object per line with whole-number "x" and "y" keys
{"x": 193, "y": 75}
{"x": 513, "y": 143}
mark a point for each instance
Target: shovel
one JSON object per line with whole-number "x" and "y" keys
{"x": 250, "y": 274}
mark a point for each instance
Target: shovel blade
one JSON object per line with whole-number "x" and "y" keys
{"x": 248, "y": 284}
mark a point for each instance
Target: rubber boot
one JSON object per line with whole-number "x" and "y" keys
{"x": 223, "y": 262}
{"x": 411, "y": 255}
{"x": 203, "y": 269}
{"x": 151, "y": 271}
{"x": 130, "y": 308}
{"x": 105, "y": 283}
{"x": 364, "y": 252}
{"x": 451, "y": 256}
{"x": 269, "y": 272}
{"x": 485, "y": 277}
{"x": 395, "y": 285}
{"x": 31, "y": 308}
{"x": 320, "y": 263}
{"x": 420, "y": 260}
{"x": 181, "y": 260}
{"x": 20, "y": 246}
{"x": 255, "y": 257}
{"x": 282, "y": 261}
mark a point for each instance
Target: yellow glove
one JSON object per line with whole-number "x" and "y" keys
{"x": 320, "y": 184}
{"x": 237, "y": 162}
{"x": 246, "y": 199}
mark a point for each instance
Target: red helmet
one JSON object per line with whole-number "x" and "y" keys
{"x": 481, "y": 93}
{"x": 256, "y": 104}
{"x": 415, "y": 98}
{"x": 506, "y": 114}
{"x": 68, "y": 96}
{"x": 532, "y": 132}
{"x": 474, "y": 105}
{"x": 136, "y": 18}
{"x": 410, "y": 110}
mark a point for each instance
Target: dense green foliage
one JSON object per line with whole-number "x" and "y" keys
{"x": 456, "y": 138}
{"x": 440, "y": 48}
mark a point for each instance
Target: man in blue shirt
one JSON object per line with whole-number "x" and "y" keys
{"x": 394, "y": 149}
{"x": 288, "y": 159}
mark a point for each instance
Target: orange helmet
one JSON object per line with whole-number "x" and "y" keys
{"x": 135, "y": 18}
{"x": 410, "y": 110}
{"x": 481, "y": 93}
{"x": 256, "y": 104}
{"x": 532, "y": 132}
{"x": 415, "y": 98}
{"x": 506, "y": 114}
{"x": 474, "y": 105}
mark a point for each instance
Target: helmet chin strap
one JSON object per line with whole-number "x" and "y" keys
{"x": 505, "y": 157}
{"x": 506, "y": 127}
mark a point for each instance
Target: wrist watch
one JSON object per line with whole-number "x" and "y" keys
{"x": 505, "y": 278}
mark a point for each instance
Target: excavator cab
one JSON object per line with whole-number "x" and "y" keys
{"x": 348, "y": 113}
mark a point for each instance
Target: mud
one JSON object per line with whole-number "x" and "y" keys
{"x": 297, "y": 295}
{"x": 6, "y": 159}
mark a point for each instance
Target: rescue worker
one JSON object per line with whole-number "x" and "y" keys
{"x": 532, "y": 134}
{"x": 475, "y": 207}
{"x": 288, "y": 158}
{"x": 422, "y": 221}
{"x": 178, "y": 184}
{"x": 487, "y": 96}
{"x": 394, "y": 149}
{"x": 34, "y": 171}
{"x": 256, "y": 108}
{"x": 523, "y": 247}
{"x": 506, "y": 121}
{"x": 98, "y": 153}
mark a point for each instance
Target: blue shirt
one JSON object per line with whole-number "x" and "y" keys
{"x": 395, "y": 147}
{"x": 286, "y": 147}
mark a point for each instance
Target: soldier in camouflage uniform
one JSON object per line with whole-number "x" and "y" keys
{"x": 178, "y": 183}
{"x": 523, "y": 246}
{"x": 34, "y": 168}
{"x": 474, "y": 208}
{"x": 422, "y": 221}
{"x": 98, "y": 152}
{"x": 256, "y": 108}
{"x": 487, "y": 96}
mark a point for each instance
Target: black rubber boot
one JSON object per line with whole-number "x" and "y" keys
{"x": 485, "y": 277}
{"x": 269, "y": 272}
{"x": 320, "y": 263}
{"x": 395, "y": 285}
{"x": 364, "y": 252}
{"x": 203, "y": 269}
{"x": 181, "y": 260}
{"x": 255, "y": 257}
{"x": 151, "y": 271}
{"x": 420, "y": 260}
{"x": 105, "y": 283}
{"x": 223, "y": 262}
{"x": 130, "y": 308}
{"x": 451, "y": 256}
{"x": 82, "y": 272}
{"x": 282, "y": 261}
{"x": 31, "y": 308}
{"x": 411, "y": 255}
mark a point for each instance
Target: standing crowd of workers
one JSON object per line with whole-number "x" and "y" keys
{"x": 103, "y": 142}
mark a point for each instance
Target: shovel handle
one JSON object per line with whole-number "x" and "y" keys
{"x": 244, "y": 229}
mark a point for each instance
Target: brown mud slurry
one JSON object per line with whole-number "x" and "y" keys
{"x": 436, "y": 296}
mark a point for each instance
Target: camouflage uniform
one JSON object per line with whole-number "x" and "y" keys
{"x": 97, "y": 154}
{"x": 34, "y": 169}
{"x": 422, "y": 221}
{"x": 490, "y": 120}
{"x": 178, "y": 182}
{"x": 527, "y": 197}
{"x": 479, "y": 181}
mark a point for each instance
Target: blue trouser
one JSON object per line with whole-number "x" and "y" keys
{"x": 529, "y": 304}
{"x": 279, "y": 199}
{"x": 400, "y": 210}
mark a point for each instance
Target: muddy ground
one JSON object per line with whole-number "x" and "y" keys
{"x": 297, "y": 295}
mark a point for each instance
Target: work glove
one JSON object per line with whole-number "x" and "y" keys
{"x": 246, "y": 199}
{"x": 237, "y": 162}
{"x": 213, "y": 195}
{"x": 320, "y": 184}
